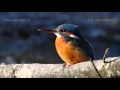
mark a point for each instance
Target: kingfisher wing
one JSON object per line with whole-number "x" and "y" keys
{"x": 83, "y": 44}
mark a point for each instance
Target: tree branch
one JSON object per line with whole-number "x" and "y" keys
{"x": 80, "y": 70}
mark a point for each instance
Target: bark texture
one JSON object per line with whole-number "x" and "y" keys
{"x": 80, "y": 70}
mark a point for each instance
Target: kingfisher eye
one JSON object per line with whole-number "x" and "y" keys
{"x": 63, "y": 30}
{"x": 60, "y": 30}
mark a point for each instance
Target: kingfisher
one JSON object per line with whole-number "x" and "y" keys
{"x": 71, "y": 45}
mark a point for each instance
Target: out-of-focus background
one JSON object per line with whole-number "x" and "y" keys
{"x": 20, "y": 42}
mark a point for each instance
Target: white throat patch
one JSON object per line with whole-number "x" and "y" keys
{"x": 58, "y": 35}
{"x": 73, "y": 36}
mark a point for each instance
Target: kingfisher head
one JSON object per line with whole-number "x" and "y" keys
{"x": 70, "y": 30}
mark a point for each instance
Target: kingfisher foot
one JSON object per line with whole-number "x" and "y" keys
{"x": 65, "y": 64}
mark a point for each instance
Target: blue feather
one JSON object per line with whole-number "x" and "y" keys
{"x": 69, "y": 27}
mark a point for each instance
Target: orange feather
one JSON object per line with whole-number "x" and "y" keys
{"x": 69, "y": 53}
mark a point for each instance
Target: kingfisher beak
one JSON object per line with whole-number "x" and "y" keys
{"x": 49, "y": 31}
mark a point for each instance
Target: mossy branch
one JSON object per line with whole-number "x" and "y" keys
{"x": 80, "y": 70}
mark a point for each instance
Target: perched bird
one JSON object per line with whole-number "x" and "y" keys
{"x": 71, "y": 45}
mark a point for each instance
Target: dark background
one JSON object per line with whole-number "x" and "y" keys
{"x": 20, "y": 42}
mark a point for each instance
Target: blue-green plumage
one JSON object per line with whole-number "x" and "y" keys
{"x": 71, "y": 45}
{"x": 68, "y": 27}
{"x": 70, "y": 37}
{"x": 81, "y": 43}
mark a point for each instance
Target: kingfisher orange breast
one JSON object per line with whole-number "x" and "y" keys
{"x": 69, "y": 53}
